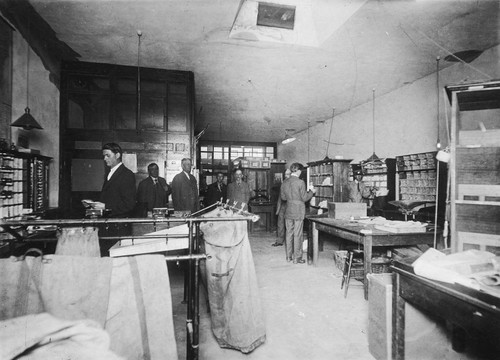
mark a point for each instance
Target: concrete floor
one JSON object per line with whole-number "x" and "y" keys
{"x": 306, "y": 314}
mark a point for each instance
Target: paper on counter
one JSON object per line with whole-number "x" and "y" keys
{"x": 455, "y": 268}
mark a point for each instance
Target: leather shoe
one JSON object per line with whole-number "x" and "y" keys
{"x": 277, "y": 244}
{"x": 288, "y": 259}
{"x": 299, "y": 261}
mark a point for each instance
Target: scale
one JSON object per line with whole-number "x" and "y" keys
{"x": 409, "y": 207}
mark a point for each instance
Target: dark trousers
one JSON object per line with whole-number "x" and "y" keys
{"x": 121, "y": 229}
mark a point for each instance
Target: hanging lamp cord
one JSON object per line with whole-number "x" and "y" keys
{"x": 330, "y": 136}
{"x": 438, "y": 144}
{"x": 373, "y": 119}
{"x": 139, "y": 34}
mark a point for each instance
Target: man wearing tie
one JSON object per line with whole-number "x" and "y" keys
{"x": 185, "y": 189}
{"x": 117, "y": 194}
{"x": 153, "y": 191}
{"x": 239, "y": 191}
{"x": 216, "y": 191}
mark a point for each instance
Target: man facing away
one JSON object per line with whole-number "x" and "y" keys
{"x": 293, "y": 191}
{"x": 185, "y": 189}
{"x": 153, "y": 191}
{"x": 280, "y": 211}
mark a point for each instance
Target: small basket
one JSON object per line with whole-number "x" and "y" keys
{"x": 379, "y": 265}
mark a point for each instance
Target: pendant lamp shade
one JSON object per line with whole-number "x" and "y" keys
{"x": 288, "y": 139}
{"x": 26, "y": 121}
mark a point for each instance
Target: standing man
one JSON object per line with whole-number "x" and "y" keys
{"x": 118, "y": 194}
{"x": 280, "y": 211}
{"x": 293, "y": 191}
{"x": 153, "y": 191}
{"x": 238, "y": 190}
{"x": 216, "y": 191}
{"x": 185, "y": 189}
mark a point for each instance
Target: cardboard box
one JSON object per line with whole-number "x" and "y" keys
{"x": 344, "y": 211}
{"x": 420, "y": 329}
{"x": 254, "y": 164}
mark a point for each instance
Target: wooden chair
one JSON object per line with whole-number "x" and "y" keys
{"x": 353, "y": 267}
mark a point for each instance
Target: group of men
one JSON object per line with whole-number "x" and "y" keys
{"x": 119, "y": 194}
{"x": 237, "y": 192}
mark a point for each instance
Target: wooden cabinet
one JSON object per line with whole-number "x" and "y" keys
{"x": 152, "y": 120}
{"x": 330, "y": 178}
{"x": 24, "y": 180}
{"x": 475, "y": 166}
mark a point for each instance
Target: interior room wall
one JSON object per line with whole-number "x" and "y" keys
{"x": 44, "y": 105}
{"x": 405, "y": 119}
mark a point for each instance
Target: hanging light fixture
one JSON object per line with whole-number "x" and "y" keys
{"x": 329, "y": 136}
{"x": 373, "y": 159}
{"x": 27, "y": 121}
{"x": 288, "y": 138}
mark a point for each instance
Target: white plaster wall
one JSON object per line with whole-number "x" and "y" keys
{"x": 44, "y": 106}
{"x": 405, "y": 119}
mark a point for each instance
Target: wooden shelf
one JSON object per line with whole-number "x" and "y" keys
{"x": 474, "y": 168}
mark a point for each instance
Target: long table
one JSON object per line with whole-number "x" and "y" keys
{"x": 470, "y": 312}
{"x": 366, "y": 235}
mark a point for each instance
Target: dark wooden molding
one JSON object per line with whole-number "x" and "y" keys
{"x": 39, "y": 35}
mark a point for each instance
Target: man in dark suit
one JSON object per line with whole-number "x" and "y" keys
{"x": 216, "y": 191}
{"x": 117, "y": 194}
{"x": 293, "y": 191}
{"x": 153, "y": 191}
{"x": 185, "y": 189}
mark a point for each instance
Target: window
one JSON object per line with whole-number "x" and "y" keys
{"x": 276, "y": 15}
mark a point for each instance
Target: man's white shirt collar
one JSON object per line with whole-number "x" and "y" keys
{"x": 113, "y": 169}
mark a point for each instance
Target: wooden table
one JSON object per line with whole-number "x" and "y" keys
{"x": 266, "y": 213}
{"x": 469, "y": 311}
{"x": 365, "y": 235}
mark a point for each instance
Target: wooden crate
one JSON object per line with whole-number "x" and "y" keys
{"x": 484, "y": 242}
{"x": 344, "y": 211}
